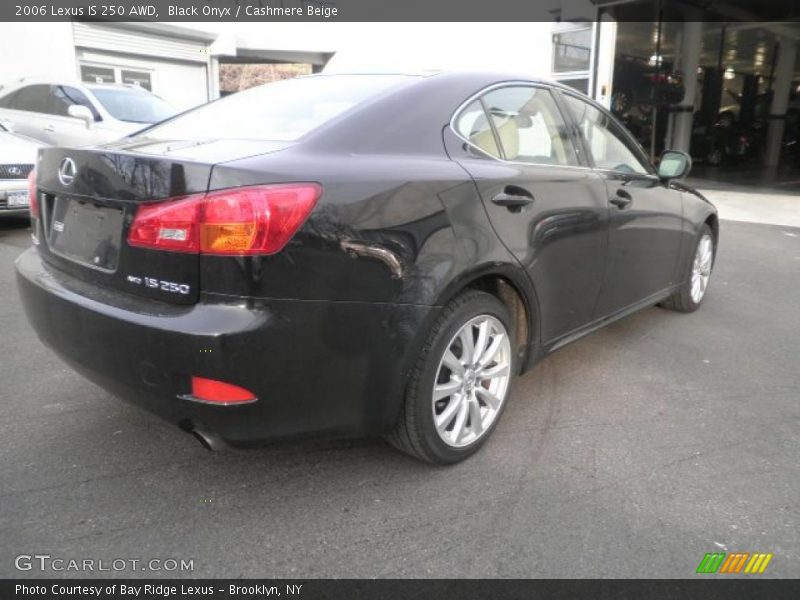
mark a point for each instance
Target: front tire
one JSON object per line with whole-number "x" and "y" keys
{"x": 690, "y": 295}
{"x": 460, "y": 383}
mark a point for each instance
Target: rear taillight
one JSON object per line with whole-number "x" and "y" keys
{"x": 239, "y": 221}
{"x": 169, "y": 225}
{"x": 211, "y": 390}
{"x": 33, "y": 201}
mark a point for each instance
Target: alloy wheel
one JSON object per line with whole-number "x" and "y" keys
{"x": 701, "y": 269}
{"x": 472, "y": 381}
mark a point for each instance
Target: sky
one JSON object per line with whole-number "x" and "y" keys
{"x": 404, "y": 46}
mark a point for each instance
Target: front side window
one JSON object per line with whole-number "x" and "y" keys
{"x": 529, "y": 126}
{"x": 606, "y": 140}
{"x": 133, "y": 106}
{"x": 62, "y": 97}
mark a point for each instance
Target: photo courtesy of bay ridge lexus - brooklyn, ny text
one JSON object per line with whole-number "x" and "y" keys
{"x": 372, "y": 299}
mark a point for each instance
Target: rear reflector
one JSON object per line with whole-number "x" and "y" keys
{"x": 239, "y": 221}
{"x": 210, "y": 390}
{"x": 32, "y": 199}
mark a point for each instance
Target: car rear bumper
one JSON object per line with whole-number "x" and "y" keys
{"x": 334, "y": 368}
{"x": 14, "y": 212}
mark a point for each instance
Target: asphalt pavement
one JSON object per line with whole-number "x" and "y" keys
{"x": 630, "y": 453}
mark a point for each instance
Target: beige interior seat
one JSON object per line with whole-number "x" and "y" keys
{"x": 484, "y": 139}
{"x": 507, "y": 131}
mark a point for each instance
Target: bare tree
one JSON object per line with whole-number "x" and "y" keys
{"x": 235, "y": 77}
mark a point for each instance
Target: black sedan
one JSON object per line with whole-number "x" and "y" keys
{"x": 355, "y": 254}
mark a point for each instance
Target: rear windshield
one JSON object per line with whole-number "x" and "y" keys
{"x": 281, "y": 111}
{"x": 133, "y": 106}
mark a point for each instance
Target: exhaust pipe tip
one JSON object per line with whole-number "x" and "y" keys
{"x": 208, "y": 439}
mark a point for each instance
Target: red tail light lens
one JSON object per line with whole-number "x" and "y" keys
{"x": 169, "y": 225}
{"x": 211, "y": 390}
{"x": 239, "y": 221}
{"x": 32, "y": 199}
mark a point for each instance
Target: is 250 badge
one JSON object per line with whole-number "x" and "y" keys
{"x": 160, "y": 284}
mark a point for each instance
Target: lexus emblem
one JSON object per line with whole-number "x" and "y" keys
{"x": 67, "y": 171}
{"x": 14, "y": 171}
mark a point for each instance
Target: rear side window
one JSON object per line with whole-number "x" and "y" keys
{"x": 5, "y": 101}
{"x": 33, "y": 98}
{"x": 473, "y": 125}
{"x": 281, "y": 111}
{"x": 526, "y": 126}
{"x": 530, "y": 126}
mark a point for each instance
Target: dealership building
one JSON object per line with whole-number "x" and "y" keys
{"x": 671, "y": 68}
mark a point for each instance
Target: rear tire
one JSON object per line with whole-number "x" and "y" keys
{"x": 697, "y": 275}
{"x": 461, "y": 381}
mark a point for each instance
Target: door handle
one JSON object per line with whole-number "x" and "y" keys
{"x": 49, "y": 128}
{"x": 513, "y": 198}
{"x": 622, "y": 199}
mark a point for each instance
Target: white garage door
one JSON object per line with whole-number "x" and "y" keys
{"x": 182, "y": 84}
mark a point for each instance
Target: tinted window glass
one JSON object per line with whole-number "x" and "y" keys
{"x": 62, "y": 97}
{"x": 281, "y": 111}
{"x": 473, "y": 125}
{"x": 530, "y": 126}
{"x": 133, "y": 106}
{"x": 5, "y": 101}
{"x": 606, "y": 140}
{"x": 32, "y": 98}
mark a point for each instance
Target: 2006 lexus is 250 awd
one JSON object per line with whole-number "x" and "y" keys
{"x": 355, "y": 254}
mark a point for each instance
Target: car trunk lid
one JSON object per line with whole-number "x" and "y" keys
{"x": 89, "y": 198}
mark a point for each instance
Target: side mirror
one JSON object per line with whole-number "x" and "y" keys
{"x": 79, "y": 111}
{"x": 674, "y": 165}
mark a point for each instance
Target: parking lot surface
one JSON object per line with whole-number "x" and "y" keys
{"x": 630, "y": 453}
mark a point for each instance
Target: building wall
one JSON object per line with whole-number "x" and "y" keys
{"x": 183, "y": 85}
{"x": 179, "y": 68}
{"x": 36, "y": 50}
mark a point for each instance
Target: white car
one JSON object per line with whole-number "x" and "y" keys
{"x": 17, "y": 158}
{"x": 79, "y": 114}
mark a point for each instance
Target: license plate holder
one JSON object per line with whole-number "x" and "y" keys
{"x": 17, "y": 199}
{"x": 86, "y": 232}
